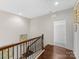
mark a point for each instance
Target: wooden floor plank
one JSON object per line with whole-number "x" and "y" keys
{"x": 55, "y": 52}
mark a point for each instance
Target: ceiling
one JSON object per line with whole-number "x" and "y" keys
{"x": 34, "y": 8}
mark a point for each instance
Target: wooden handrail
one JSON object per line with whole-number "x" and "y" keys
{"x": 22, "y": 49}
{"x": 12, "y": 45}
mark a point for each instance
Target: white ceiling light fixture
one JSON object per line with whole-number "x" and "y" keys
{"x": 56, "y": 3}
{"x": 20, "y": 14}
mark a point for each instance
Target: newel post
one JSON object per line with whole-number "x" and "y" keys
{"x": 42, "y": 37}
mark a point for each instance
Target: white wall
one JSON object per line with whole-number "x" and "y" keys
{"x": 11, "y": 27}
{"x": 76, "y": 43}
{"x": 44, "y": 24}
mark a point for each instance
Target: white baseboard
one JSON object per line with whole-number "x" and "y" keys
{"x": 76, "y": 55}
{"x": 39, "y": 54}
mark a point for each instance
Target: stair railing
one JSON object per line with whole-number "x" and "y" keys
{"x": 16, "y": 51}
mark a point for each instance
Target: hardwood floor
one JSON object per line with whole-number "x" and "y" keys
{"x": 55, "y": 52}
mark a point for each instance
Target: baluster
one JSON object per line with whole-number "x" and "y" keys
{"x": 28, "y": 49}
{"x": 42, "y": 37}
{"x": 20, "y": 50}
{"x": 35, "y": 46}
{"x": 8, "y": 53}
{"x": 17, "y": 52}
{"x": 13, "y": 52}
{"x": 2, "y": 55}
{"x": 26, "y": 46}
{"x": 23, "y": 48}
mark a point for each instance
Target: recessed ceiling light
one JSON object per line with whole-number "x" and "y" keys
{"x": 20, "y": 13}
{"x": 56, "y": 3}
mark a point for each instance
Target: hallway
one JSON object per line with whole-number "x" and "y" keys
{"x": 55, "y": 52}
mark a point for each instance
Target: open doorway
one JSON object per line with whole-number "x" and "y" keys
{"x": 60, "y": 33}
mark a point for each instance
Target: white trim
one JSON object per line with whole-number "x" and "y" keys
{"x": 39, "y": 54}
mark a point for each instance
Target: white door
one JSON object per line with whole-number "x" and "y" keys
{"x": 60, "y": 33}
